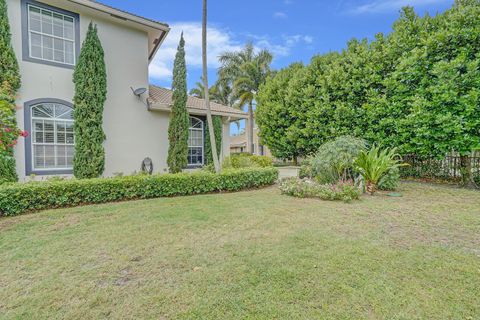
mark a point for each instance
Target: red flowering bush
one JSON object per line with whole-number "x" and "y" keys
{"x": 9, "y": 134}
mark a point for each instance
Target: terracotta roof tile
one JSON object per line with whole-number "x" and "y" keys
{"x": 163, "y": 97}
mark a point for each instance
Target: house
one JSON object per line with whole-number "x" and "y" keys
{"x": 47, "y": 37}
{"x": 238, "y": 144}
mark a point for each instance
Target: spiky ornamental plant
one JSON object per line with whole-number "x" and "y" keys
{"x": 179, "y": 121}
{"x": 90, "y": 79}
{"x": 9, "y": 84}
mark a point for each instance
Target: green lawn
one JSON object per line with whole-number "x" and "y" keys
{"x": 251, "y": 255}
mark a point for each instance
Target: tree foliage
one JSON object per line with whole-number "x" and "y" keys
{"x": 198, "y": 91}
{"x": 282, "y": 125}
{"x": 245, "y": 70}
{"x": 90, "y": 79}
{"x": 179, "y": 121}
{"x": 217, "y": 127}
{"x": 9, "y": 84}
{"x": 221, "y": 92}
{"x": 417, "y": 89}
{"x": 9, "y": 71}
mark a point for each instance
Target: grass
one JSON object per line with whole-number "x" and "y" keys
{"x": 251, "y": 255}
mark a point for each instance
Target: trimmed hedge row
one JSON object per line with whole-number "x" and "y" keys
{"x": 23, "y": 197}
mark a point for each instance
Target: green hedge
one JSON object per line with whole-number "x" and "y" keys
{"x": 246, "y": 160}
{"x": 22, "y": 197}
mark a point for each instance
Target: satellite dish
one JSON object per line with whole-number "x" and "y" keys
{"x": 139, "y": 91}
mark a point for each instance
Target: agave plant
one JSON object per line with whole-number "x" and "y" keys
{"x": 374, "y": 164}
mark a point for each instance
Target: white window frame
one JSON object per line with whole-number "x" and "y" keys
{"x": 41, "y": 34}
{"x": 55, "y": 120}
{"x": 202, "y": 130}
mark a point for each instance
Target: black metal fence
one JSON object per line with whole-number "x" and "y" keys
{"x": 448, "y": 168}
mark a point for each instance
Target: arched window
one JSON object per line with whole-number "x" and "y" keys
{"x": 195, "y": 142}
{"x": 52, "y": 138}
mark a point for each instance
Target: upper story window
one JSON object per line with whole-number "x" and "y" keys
{"x": 195, "y": 142}
{"x": 51, "y": 35}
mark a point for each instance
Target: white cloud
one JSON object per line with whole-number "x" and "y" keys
{"x": 279, "y": 46}
{"x": 291, "y": 40}
{"x": 390, "y": 5}
{"x": 280, "y": 15}
{"x": 287, "y": 2}
{"x": 219, "y": 41}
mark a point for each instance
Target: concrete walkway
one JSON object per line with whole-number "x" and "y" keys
{"x": 286, "y": 172}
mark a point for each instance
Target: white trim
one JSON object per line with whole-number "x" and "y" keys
{"x": 202, "y": 131}
{"x": 200, "y": 112}
{"x": 42, "y": 34}
{"x": 54, "y": 119}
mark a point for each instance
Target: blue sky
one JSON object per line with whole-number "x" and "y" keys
{"x": 294, "y": 30}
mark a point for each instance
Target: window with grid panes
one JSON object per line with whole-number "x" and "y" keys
{"x": 51, "y": 35}
{"x": 195, "y": 142}
{"x": 53, "y": 140}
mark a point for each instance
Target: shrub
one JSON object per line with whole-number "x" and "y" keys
{"x": 334, "y": 160}
{"x": 476, "y": 180}
{"x": 306, "y": 169}
{"x": 7, "y": 169}
{"x": 238, "y": 162}
{"x": 246, "y": 160}
{"x": 374, "y": 164}
{"x": 304, "y": 188}
{"x": 22, "y": 197}
{"x": 262, "y": 161}
{"x": 217, "y": 129}
{"x": 390, "y": 180}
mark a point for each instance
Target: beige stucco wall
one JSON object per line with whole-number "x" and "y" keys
{"x": 133, "y": 133}
{"x": 225, "y": 152}
{"x": 242, "y": 139}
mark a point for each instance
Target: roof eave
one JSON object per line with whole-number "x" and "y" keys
{"x": 162, "y": 28}
{"x": 158, "y": 44}
{"x": 192, "y": 110}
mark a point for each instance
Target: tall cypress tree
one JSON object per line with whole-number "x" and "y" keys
{"x": 9, "y": 84}
{"x": 179, "y": 121}
{"x": 90, "y": 79}
{"x": 8, "y": 62}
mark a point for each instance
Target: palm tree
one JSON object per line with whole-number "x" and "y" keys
{"x": 216, "y": 93}
{"x": 199, "y": 90}
{"x": 245, "y": 70}
{"x": 213, "y": 143}
{"x": 222, "y": 93}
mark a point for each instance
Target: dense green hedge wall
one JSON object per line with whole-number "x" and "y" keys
{"x": 19, "y": 198}
{"x": 416, "y": 88}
